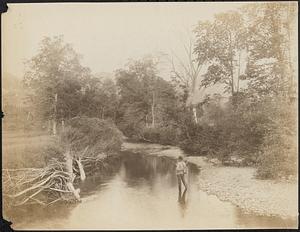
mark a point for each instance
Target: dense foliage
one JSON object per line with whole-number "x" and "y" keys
{"x": 249, "y": 52}
{"x": 92, "y": 134}
{"x": 147, "y": 101}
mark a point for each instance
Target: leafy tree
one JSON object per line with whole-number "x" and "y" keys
{"x": 145, "y": 98}
{"x": 270, "y": 67}
{"x": 99, "y": 98}
{"x": 55, "y": 78}
{"x": 220, "y": 44}
{"x": 272, "y": 85}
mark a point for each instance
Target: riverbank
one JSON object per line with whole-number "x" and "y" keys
{"x": 263, "y": 197}
{"x": 37, "y": 169}
{"x": 235, "y": 184}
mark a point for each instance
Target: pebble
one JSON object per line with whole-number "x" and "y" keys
{"x": 263, "y": 197}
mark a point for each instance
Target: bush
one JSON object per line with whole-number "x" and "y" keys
{"x": 52, "y": 151}
{"x": 201, "y": 140}
{"x": 98, "y": 134}
{"x": 278, "y": 158}
{"x": 276, "y": 162}
{"x": 167, "y": 135}
{"x": 260, "y": 133}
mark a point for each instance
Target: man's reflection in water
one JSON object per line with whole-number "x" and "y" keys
{"x": 182, "y": 201}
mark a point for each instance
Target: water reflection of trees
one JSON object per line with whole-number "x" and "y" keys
{"x": 145, "y": 168}
{"x": 139, "y": 166}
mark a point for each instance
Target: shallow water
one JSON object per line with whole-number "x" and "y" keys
{"x": 143, "y": 194}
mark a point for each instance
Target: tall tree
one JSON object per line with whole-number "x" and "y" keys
{"x": 220, "y": 44}
{"x": 99, "y": 98}
{"x": 270, "y": 44}
{"x": 55, "y": 77}
{"x": 138, "y": 86}
{"x": 144, "y": 96}
{"x": 187, "y": 75}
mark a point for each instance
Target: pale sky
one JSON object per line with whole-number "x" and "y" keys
{"x": 106, "y": 34}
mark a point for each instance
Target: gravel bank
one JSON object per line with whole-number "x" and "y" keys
{"x": 235, "y": 184}
{"x": 263, "y": 197}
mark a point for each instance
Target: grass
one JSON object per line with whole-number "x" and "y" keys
{"x": 22, "y": 150}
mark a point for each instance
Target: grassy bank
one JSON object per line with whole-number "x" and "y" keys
{"x": 38, "y": 168}
{"x": 22, "y": 150}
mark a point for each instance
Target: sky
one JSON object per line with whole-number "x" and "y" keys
{"x": 107, "y": 35}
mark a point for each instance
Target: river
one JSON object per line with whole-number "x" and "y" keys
{"x": 142, "y": 194}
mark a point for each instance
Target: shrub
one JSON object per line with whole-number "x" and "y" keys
{"x": 279, "y": 155}
{"x": 201, "y": 140}
{"x": 167, "y": 135}
{"x": 98, "y": 134}
{"x": 52, "y": 150}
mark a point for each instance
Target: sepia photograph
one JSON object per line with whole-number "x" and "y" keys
{"x": 149, "y": 115}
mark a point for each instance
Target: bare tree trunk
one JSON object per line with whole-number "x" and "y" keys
{"x": 69, "y": 167}
{"x": 194, "y": 109}
{"x": 55, "y": 115}
{"x": 49, "y": 126}
{"x": 115, "y": 115}
{"x": 291, "y": 72}
{"x": 232, "y": 80}
{"x": 195, "y": 114}
{"x": 147, "y": 120}
{"x": 81, "y": 169}
{"x": 239, "y": 73}
{"x": 231, "y": 67}
{"x": 63, "y": 125}
{"x": 102, "y": 116}
{"x": 28, "y": 115}
{"x": 152, "y": 111}
{"x": 54, "y": 126}
{"x": 189, "y": 77}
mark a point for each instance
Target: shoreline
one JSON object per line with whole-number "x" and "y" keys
{"x": 236, "y": 185}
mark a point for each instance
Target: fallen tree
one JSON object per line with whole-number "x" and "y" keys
{"x": 86, "y": 144}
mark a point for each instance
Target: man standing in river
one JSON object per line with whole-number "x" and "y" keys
{"x": 181, "y": 170}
